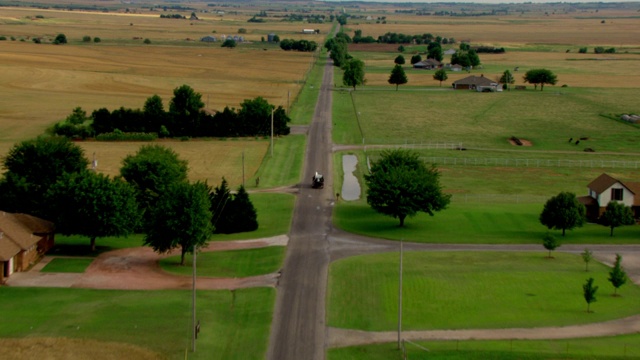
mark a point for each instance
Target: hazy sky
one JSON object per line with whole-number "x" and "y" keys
{"x": 488, "y": 1}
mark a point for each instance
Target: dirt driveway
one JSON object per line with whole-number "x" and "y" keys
{"x": 138, "y": 269}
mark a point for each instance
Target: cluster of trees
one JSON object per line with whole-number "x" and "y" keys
{"x": 353, "y": 74}
{"x": 465, "y": 56}
{"x": 489, "y": 50}
{"x": 541, "y": 77}
{"x": 48, "y": 177}
{"x": 298, "y": 45}
{"x": 395, "y": 38}
{"x": 185, "y": 117}
{"x": 617, "y": 278}
{"x": 565, "y": 212}
{"x": 359, "y": 39}
{"x": 602, "y": 50}
{"x": 172, "y": 16}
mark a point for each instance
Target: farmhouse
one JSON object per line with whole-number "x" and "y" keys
{"x": 605, "y": 189}
{"x": 478, "y": 83}
{"x": 23, "y": 241}
{"x": 209, "y": 38}
{"x": 428, "y": 64}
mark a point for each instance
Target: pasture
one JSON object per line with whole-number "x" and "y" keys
{"x": 470, "y": 290}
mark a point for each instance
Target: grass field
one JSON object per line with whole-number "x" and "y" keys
{"x": 609, "y": 348}
{"x": 234, "y": 324}
{"x": 473, "y": 223}
{"x": 67, "y": 265}
{"x": 464, "y": 290}
{"x": 229, "y": 264}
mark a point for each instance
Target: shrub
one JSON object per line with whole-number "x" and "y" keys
{"x": 242, "y": 31}
{"x": 86, "y": 38}
{"x": 2, "y": 38}
{"x": 96, "y": 39}
{"x": 610, "y": 51}
{"x": 39, "y": 16}
{"x": 36, "y": 40}
{"x": 60, "y": 39}
{"x": 147, "y": 41}
{"x": 118, "y": 135}
{"x": 598, "y": 49}
{"x": 583, "y": 50}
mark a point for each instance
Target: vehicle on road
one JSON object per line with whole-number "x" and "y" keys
{"x": 317, "y": 182}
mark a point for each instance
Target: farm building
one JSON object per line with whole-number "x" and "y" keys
{"x": 605, "y": 189}
{"x": 454, "y": 67}
{"x": 209, "y": 38}
{"x": 428, "y": 64}
{"x": 23, "y": 241}
{"x": 310, "y": 31}
{"x": 478, "y": 83}
{"x": 271, "y": 37}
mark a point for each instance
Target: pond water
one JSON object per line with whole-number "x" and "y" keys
{"x": 350, "y": 184}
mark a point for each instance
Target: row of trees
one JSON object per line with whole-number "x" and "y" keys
{"x": 565, "y": 212}
{"x": 298, "y": 45}
{"x": 353, "y": 74}
{"x": 186, "y": 117}
{"x": 48, "y": 177}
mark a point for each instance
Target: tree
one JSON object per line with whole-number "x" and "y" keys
{"x": 32, "y": 166}
{"x": 540, "y": 76}
{"x": 617, "y": 275}
{"x": 400, "y": 185}
{"x": 507, "y": 78}
{"x": 180, "y": 219}
{"x": 184, "y": 109}
{"x": 587, "y": 256}
{"x": 353, "y": 73}
{"x": 77, "y": 117}
{"x": 440, "y": 75}
{"x": 151, "y": 171}
{"x": 589, "y": 293}
{"x": 416, "y": 59}
{"x": 434, "y": 51}
{"x": 338, "y": 51}
{"x": 93, "y": 205}
{"x": 564, "y": 212}
{"x": 229, "y": 43}
{"x": 60, "y": 39}
{"x": 254, "y": 117}
{"x": 616, "y": 214}
{"x": 398, "y": 77}
{"x": 243, "y": 214}
{"x": 550, "y": 243}
{"x": 399, "y": 60}
{"x": 219, "y": 198}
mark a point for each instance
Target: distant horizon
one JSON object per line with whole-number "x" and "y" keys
{"x": 487, "y": 2}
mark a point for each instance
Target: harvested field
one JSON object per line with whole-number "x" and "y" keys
{"x": 72, "y": 349}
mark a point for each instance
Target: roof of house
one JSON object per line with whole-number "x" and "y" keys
{"x": 604, "y": 182}
{"x": 587, "y": 200}
{"x": 17, "y": 232}
{"x": 427, "y": 62}
{"x": 475, "y": 80}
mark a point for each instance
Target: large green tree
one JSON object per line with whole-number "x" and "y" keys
{"x": 151, "y": 171}
{"x": 616, "y": 214}
{"x": 32, "y": 166}
{"x": 540, "y": 76}
{"x": 93, "y": 205}
{"x": 434, "y": 51}
{"x": 398, "y": 76}
{"x": 563, "y": 212}
{"x": 232, "y": 213}
{"x": 338, "y": 51}
{"x": 254, "y": 117}
{"x": 440, "y": 75}
{"x": 353, "y": 73}
{"x": 180, "y": 219}
{"x": 400, "y": 184}
{"x": 399, "y": 60}
{"x": 185, "y": 110}
{"x": 617, "y": 275}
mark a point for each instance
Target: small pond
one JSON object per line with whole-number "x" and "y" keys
{"x": 350, "y": 184}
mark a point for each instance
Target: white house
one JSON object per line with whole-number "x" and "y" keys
{"x": 605, "y": 189}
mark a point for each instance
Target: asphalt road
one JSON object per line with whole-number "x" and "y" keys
{"x": 298, "y": 329}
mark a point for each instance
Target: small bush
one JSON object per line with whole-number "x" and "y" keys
{"x": 147, "y": 41}
{"x": 2, "y": 38}
{"x": 13, "y": 38}
{"x": 86, "y": 38}
{"x": 242, "y": 31}
{"x": 60, "y": 39}
{"x": 598, "y": 49}
{"x": 36, "y": 40}
{"x": 118, "y": 135}
{"x": 96, "y": 39}
{"x": 39, "y": 16}
{"x": 583, "y": 50}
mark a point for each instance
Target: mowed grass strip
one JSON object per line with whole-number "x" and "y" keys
{"x": 229, "y": 264}
{"x": 67, "y": 265}
{"x": 284, "y": 167}
{"x": 608, "y": 348}
{"x": 471, "y": 290}
{"x": 76, "y": 245}
{"x": 488, "y": 120}
{"x": 473, "y": 223}
{"x": 234, "y": 324}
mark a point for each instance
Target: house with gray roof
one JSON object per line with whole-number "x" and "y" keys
{"x": 477, "y": 83}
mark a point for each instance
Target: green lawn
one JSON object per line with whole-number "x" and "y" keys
{"x": 284, "y": 168}
{"x": 609, "y": 348}
{"x": 471, "y": 290}
{"x": 487, "y": 120}
{"x": 234, "y": 324}
{"x": 67, "y": 265}
{"x": 76, "y": 245}
{"x": 304, "y": 105}
{"x": 229, "y": 264}
{"x": 473, "y": 223}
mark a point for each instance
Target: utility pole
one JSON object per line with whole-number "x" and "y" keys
{"x": 193, "y": 303}
{"x": 400, "y": 301}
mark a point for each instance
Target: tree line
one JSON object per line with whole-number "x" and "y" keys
{"x": 186, "y": 117}
{"x": 49, "y": 177}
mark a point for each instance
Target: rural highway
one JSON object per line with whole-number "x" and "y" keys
{"x": 298, "y": 329}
